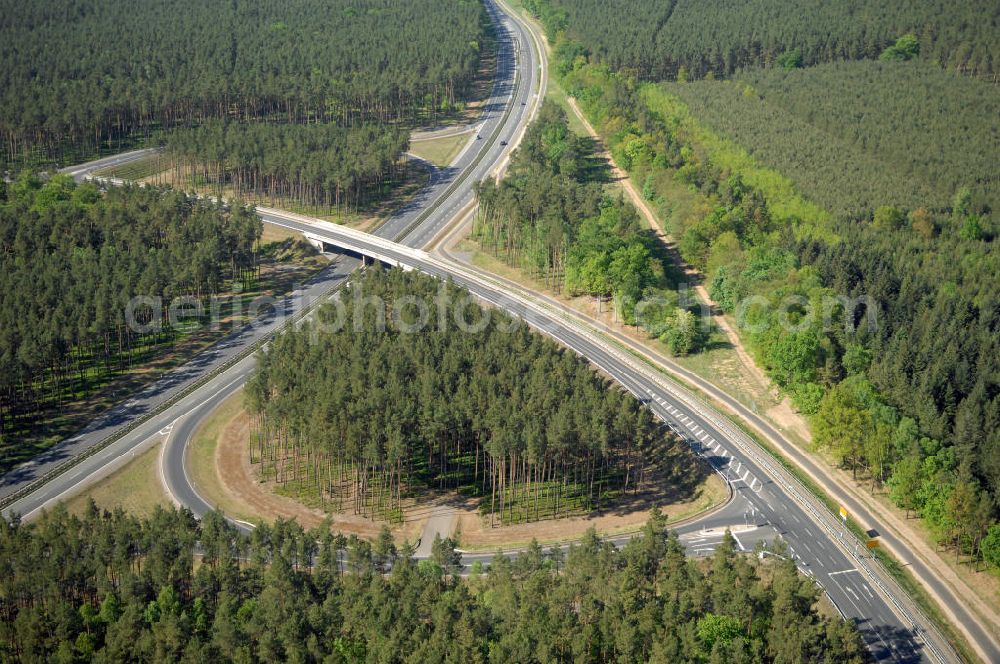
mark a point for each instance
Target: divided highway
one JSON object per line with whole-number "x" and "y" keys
{"x": 767, "y": 500}
{"x": 39, "y": 482}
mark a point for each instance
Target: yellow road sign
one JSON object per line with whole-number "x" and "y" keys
{"x": 843, "y": 513}
{"x": 872, "y": 544}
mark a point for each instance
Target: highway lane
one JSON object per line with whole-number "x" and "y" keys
{"x": 82, "y": 171}
{"x": 505, "y": 113}
{"x": 155, "y": 397}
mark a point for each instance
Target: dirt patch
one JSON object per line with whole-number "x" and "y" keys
{"x": 237, "y": 488}
{"x": 475, "y": 532}
{"x": 790, "y": 421}
{"x": 237, "y": 481}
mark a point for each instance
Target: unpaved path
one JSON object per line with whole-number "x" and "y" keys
{"x": 785, "y": 416}
{"x": 442, "y": 522}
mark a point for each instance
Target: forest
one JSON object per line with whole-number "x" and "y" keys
{"x": 679, "y": 39}
{"x": 363, "y": 415}
{"x": 899, "y": 375}
{"x": 552, "y": 218}
{"x": 110, "y": 587}
{"x": 932, "y": 135}
{"x": 308, "y": 101}
{"x": 71, "y": 259}
{"x": 179, "y": 63}
{"x": 320, "y": 165}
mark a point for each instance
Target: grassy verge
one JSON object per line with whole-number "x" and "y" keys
{"x": 440, "y": 151}
{"x": 720, "y": 364}
{"x": 202, "y": 461}
{"x": 159, "y": 170}
{"x": 285, "y": 264}
{"x": 140, "y": 169}
{"x": 135, "y": 487}
{"x": 723, "y": 362}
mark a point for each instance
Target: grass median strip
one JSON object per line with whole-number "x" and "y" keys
{"x": 441, "y": 151}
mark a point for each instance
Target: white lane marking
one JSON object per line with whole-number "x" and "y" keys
{"x": 843, "y": 571}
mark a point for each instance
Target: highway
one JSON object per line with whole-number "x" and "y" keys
{"x": 767, "y": 501}
{"x": 504, "y": 114}
{"x": 82, "y": 171}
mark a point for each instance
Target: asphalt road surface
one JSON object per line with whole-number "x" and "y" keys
{"x": 765, "y": 503}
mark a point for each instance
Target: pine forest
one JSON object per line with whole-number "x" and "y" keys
{"x": 361, "y": 415}
{"x": 110, "y": 587}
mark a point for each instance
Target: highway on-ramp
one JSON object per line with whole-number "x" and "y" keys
{"x": 766, "y": 494}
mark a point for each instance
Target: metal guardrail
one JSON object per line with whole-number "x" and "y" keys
{"x": 821, "y": 513}
{"x": 123, "y": 431}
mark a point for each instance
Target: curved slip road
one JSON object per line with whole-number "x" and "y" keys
{"x": 765, "y": 492}
{"x": 39, "y": 482}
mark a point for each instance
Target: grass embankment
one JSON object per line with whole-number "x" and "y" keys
{"x": 135, "y": 487}
{"x": 441, "y": 151}
{"x": 477, "y": 536}
{"x": 898, "y": 570}
{"x": 219, "y": 468}
{"x": 218, "y": 464}
{"x": 158, "y": 170}
{"x": 202, "y": 461}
